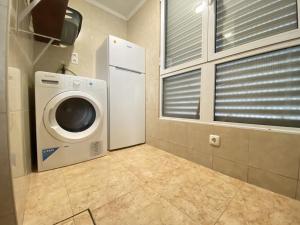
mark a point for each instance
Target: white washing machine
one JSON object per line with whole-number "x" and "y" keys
{"x": 71, "y": 119}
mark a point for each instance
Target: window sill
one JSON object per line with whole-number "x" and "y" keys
{"x": 278, "y": 129}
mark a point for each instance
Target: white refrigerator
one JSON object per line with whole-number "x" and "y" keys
{"x": 122, "y": 65}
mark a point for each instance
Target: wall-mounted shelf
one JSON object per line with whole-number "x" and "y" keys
{"x": 47, "y": 18}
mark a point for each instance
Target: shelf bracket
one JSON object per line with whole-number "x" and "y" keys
{"x": 20, "y": 18}
{"x": 27, "y": 10}
{"x": 43, "y": 51}
{"x": 51, "y": 40}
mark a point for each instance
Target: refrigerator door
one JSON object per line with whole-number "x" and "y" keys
{"x": 126, "y": 108}
{"x": 126, "y": 55}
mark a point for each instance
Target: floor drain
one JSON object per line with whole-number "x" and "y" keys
{"x": 83, "y": 218}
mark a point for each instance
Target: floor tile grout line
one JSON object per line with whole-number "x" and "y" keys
{"x": 298, "y": 182}
{"x": 248, "y": 158}
{"x": 143, "y": 184}
{"x": 227, "y": 207}
{"x": 72, "y": 217}
{"x": 68, "y": 194}
{"x": 92, "y": 217}
{"x": 126, "y": 169}
{"x": 167, "y": 200}
{"x": 181, "y": 211}
{"x": 140, "y": 183}
{"x": 27, "y": 197}
{"x": 161, "y": 196}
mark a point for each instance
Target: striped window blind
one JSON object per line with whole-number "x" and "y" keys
{"x": 244, "y": 21}
{"x": 181, "y": 95}
{"x": 183, "y": 31}
{"x": 262, "y": 89}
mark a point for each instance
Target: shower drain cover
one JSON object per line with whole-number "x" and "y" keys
{"x": 83, "y": 218}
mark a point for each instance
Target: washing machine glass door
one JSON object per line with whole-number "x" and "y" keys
{"x": 73, "y": 116}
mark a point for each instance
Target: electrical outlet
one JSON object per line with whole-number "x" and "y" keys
{"x": 214, "y": 140}
{"x": 75, "y": 58}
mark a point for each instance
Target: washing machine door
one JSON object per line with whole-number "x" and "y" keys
{"x": 73, "y": 116}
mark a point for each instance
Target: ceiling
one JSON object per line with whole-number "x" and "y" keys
{"x": 121, "y": 8}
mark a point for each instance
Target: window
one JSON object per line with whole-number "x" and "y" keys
{"x": 181, "y": 95}
{"x": 240, "y": 57}
{"x": 262, "y": 89}
{"x": 183, "y": 32}
{"x": 183, "y": 47}
{"x": 244, "y": 21}
{"x": 239, "y": 26}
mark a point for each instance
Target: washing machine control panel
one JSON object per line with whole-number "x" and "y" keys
{"x": 76, "y": 84}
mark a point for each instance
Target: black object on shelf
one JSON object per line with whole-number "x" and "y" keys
{"x": 71, "y": 27}
{"x": 48, "y": 18}
{"x": 53, "y": 18}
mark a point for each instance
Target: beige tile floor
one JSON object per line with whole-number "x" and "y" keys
{"x": 146, "y": 186}
{"x": 81, "y": 218}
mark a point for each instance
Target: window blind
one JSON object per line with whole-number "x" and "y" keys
{"x": 243, "y": 21}
{"x": 183, "y": 31}
{"x": 262, "y": 89}
{"x": 181, "y": 95}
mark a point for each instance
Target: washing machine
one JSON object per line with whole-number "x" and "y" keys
{"x": 71, "y": 119}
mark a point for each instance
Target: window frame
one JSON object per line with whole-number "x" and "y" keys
{"x": 208, "y": 63}
{"x": 175, "y": 73}
{"x": 211, "y": 67}
{"x": 207, "y": 98}
{"x": 205, "y": 23}
{"x": 212, "y": 55}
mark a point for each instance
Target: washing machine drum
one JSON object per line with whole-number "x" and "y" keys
{"x": 73, "y": 116}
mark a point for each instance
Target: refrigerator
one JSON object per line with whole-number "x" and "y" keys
{"x": 122, "y": 65}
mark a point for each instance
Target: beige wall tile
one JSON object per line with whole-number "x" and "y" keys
{"x": 151, "y": 123}
{"x": 298, "y": 191}
{"x": 152, "y": 94}
{"x": 178, "y": 133}
{"x": 164, "y": 129}
{"x": 8, "y": 219}
{"x": 193, "y": 155}
{"x": 3, "y": 50}
{"x": 26, "y": 88}
{"x": 230, "y": 168}
{"x": 275, "y": 152}
{"x": 158, "y": 143}
{"x": 20, "y": 57}
{"x": 4, "y": 2}
{"x": 176, "y": 149}
{"x": 6, "y": 193}
{"x": 16, "y": 143}
{"x": 276, "y": 183}
{"x": 27, "y": 140}
{"x": 234, "y": 144}
{"x": 203, "y": 159}
{"x": 143, "y": 29}
{"x": 198, "y": 135}
{"x": 162, "y": 144}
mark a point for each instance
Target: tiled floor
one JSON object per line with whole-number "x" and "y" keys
{"x": 146, "y": 186}
{"x": 81, "y": 218}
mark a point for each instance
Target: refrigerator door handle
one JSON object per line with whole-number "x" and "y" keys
{"x": 120, "y": 68}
